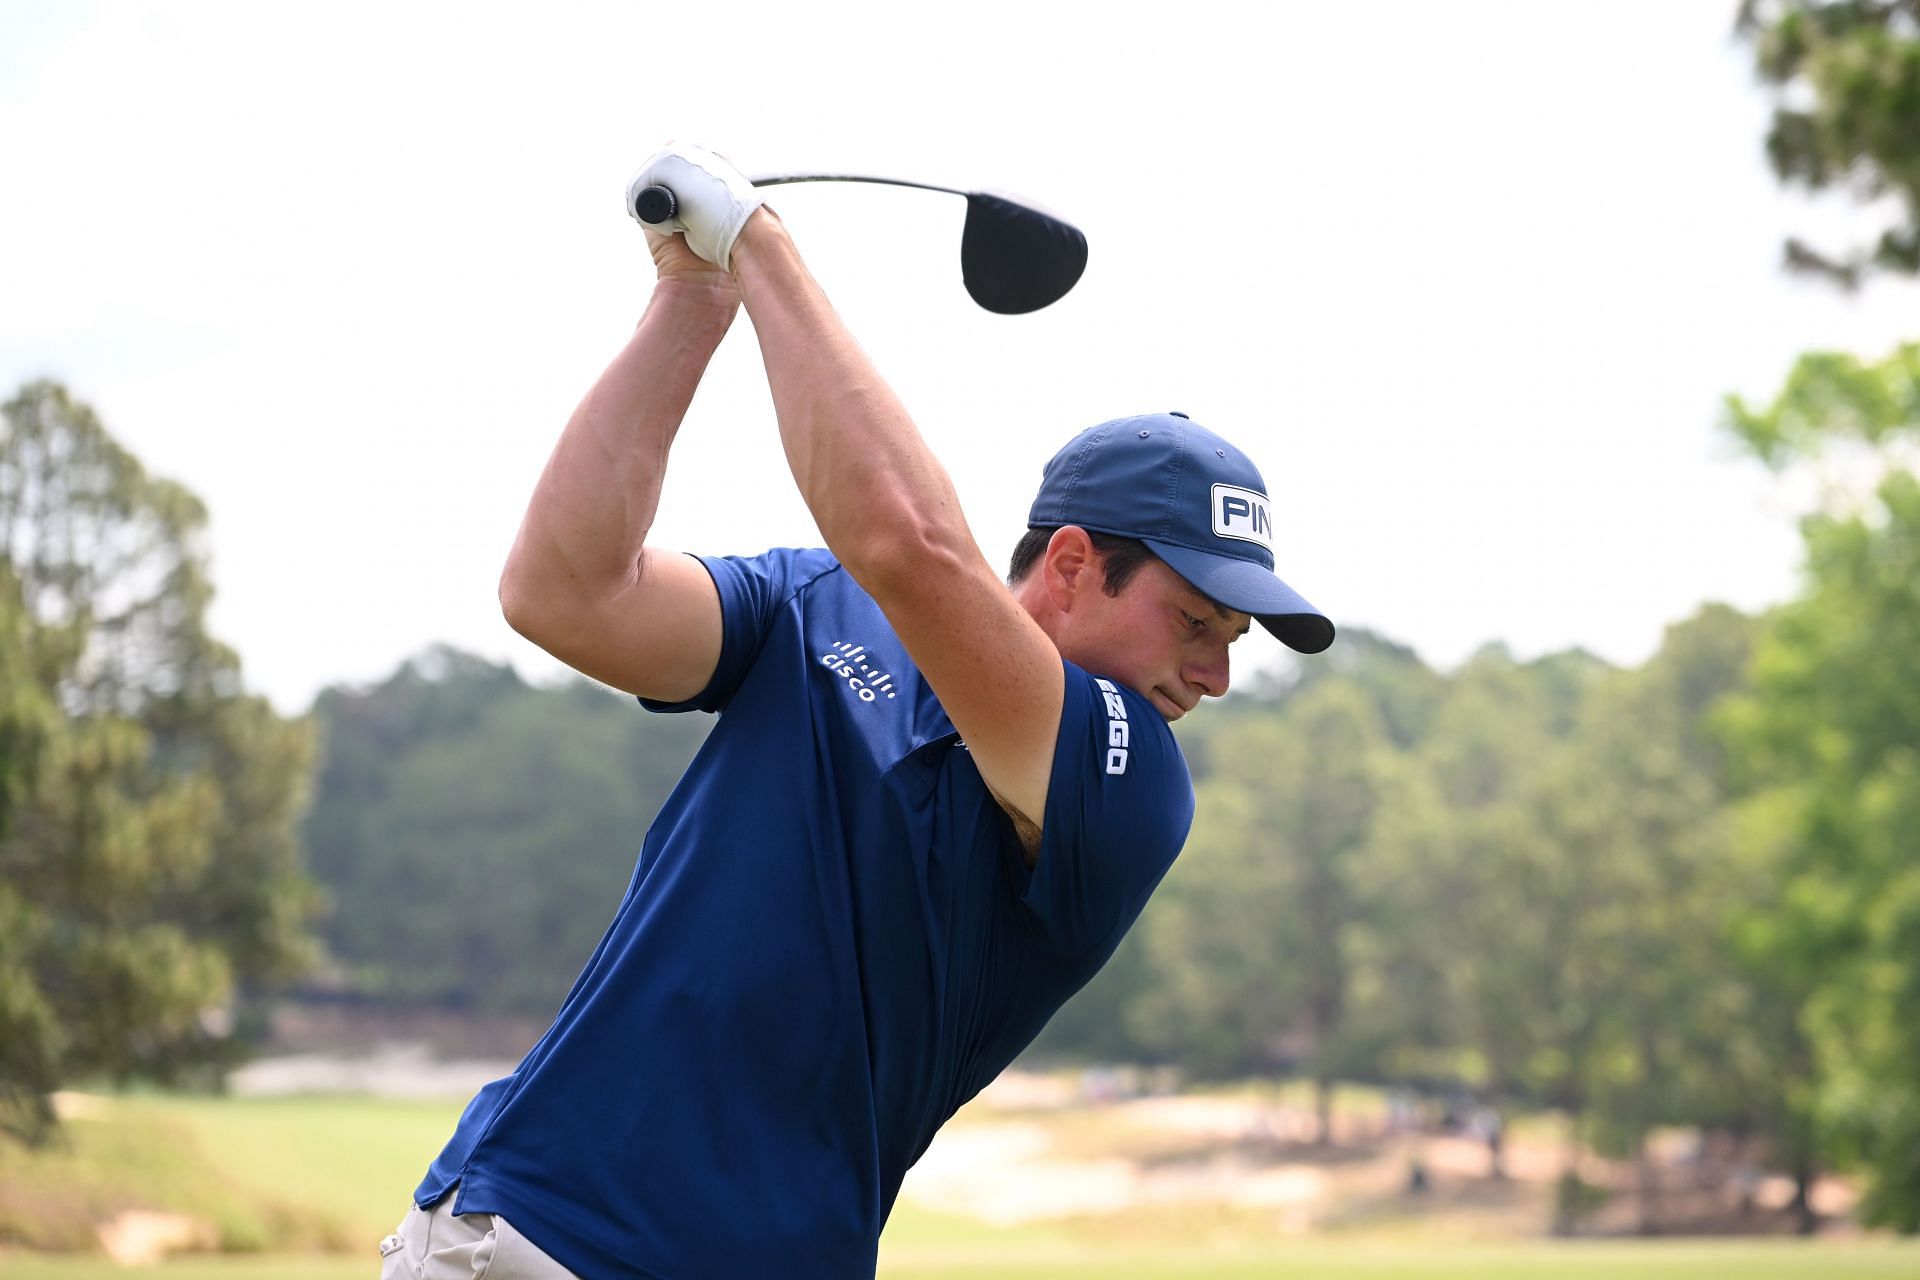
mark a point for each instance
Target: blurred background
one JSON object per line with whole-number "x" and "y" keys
{"x": 1564, "y": 917}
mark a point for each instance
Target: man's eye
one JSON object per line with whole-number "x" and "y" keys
{"x": 1193, "y": 623}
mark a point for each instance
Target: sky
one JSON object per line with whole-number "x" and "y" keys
{"x": 1469, "y": 282}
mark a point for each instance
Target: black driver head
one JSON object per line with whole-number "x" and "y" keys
{"x": 1015, "y": 259}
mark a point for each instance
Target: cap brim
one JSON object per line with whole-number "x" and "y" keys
{"x": 1254, "y": 589}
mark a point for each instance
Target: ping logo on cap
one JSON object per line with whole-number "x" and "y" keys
{"x": 1242, "y": 513}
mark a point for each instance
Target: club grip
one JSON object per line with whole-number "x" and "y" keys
{"x": 654, "y": 205}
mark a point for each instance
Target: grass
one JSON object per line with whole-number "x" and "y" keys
{"x": 353, "y": 1161}
{"x": 1306, "y": 1261}
{"x": 302, "y": 1173}
{"x": 1323, "y": 1261}
{"x": 124, "y": 1157}
{"x": 335, "y": 1267}
{"x": 290, "y": 1177}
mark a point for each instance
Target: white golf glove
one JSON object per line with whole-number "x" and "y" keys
{"x": 712, "y": 200}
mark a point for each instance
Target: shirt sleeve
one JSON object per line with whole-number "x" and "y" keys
{"x": 1119, "y": 804}
{"x": 753, "y": 591}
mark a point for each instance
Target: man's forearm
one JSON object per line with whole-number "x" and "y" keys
{"x": 586, "y": 526}
{"x": 881, "y": 499}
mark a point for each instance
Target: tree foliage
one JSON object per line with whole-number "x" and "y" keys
{"x": 1520, "y": 880}
{"x": 149, "y": 872}
{"x": 1247, "y": 942}
{"x": 1825, "y": 739}
{"x": 476, "y": 833}
{"x": 1829, "y": 751}
{"x": 1848, "y": 75}
{"x": 1833, "y": 400}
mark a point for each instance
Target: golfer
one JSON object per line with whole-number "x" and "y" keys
{"x": 931, "y": 805}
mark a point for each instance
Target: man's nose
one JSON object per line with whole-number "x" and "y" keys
{"x": 1210, "y": 672}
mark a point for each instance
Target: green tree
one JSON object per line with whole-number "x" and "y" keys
{"x": 1577, "y": 854}
{"x": 1828, "y": 752}
{"x": 149, "y": 875}
{"x": 476, "y": 833}
{"x": 1636, "y": 806}
{"x": 1823, "y": 749}
{"x": 1475, "y": 886}
{"x": 30, "y": 727}
{"x": 1848, "y": 76}
{"x": 1247, "y": 944}
{"x": 1119, "y": 1016}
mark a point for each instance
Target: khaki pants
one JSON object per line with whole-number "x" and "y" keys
{"x": 435, "y": 1245}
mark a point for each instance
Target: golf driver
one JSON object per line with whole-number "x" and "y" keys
{"x": 1013, "y": 257}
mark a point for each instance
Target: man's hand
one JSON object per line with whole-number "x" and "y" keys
{"x": 713, "y": 200}
{"x": 672, "y": 257}
{"x": 684, "y": 272}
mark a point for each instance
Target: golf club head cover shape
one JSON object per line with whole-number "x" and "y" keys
{"x": 712, "y": 199}
{"x": 1015, "y": 257}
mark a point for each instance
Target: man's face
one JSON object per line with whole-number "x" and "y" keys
{"x": 1159, "y": 637}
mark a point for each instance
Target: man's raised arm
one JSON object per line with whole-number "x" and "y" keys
{"x": 889, "y": 513}
{"x": 581, "y": 581}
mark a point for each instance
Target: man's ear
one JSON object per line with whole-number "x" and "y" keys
{"x": 1071, "y": 566}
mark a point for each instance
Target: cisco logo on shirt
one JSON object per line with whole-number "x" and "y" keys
{"x": 1243, "y": 514}
{"x": 849, "y": 661}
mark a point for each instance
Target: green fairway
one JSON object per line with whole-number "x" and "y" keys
{"x": 336, "y": 1172}
{"x": 254, "y": 1267}
{"x": 1630, "y": 1260}
{"x": 352, "y": 1161}
{"x": 289, "y": 1173}
{"x": 1320, "y": 1260}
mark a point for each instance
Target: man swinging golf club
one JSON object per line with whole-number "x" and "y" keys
{"x": 930, "y": 807}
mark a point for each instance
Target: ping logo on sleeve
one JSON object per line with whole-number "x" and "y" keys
{"x": 1243, "y": 514}
{"x": 1118, "y": 734}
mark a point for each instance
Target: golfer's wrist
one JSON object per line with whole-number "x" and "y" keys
{"x": 763, "y": 237}
{"x": 699, "y": 293}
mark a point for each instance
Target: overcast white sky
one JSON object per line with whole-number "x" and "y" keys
{"x": 1468, "y": 281}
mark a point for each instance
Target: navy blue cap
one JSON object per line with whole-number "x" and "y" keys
{"x": 1195, "y": 500}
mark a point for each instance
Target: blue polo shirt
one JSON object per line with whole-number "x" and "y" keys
{"x": 831, "y": 941}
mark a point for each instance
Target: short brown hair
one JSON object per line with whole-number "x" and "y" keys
{"x": 1120, "y": 558}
